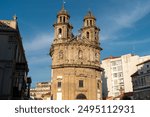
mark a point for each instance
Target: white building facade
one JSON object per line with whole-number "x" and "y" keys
{"x": 117, "y": 73}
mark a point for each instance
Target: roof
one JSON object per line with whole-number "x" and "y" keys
{"x": 63, "y": 12}
{"x": 89, "y": 15}
{"x": 111, "y": 57}
{"x": 135, "y": 74}
{"x": 147, "y": 61}
{"x": 4, "y": 25}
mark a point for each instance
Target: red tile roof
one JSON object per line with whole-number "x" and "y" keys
{"x": 111, "y": 57}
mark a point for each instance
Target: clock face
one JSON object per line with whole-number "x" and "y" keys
{"x": 59, "y": 36}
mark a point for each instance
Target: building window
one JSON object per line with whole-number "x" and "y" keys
{"x": 80, "y": 54}
{"x": 59, "y": 85}
{"x": 118, "y": 62}
{"x": 90, "y": 22}
{"x": 147, "y": 66}
{"x": 59, "y": 30}
{"x": 113, "y": 63}
{"x": 67, "y": 32}
{"x": 141, "y": 72}
{"x": 87, "y": 23}
{"x": 115, "y": 75}
{"x": 95, "y": 35}
{"x": 98, "y": 85}
{"x": 87, "y": 34}
{"x": 52, "y": 97}
{"x": 121, "y": 81}
{"x": 119, "y": 68}
{"x": 64, "y": 19}
{"x": 81, "y": 97}
{"x": 120, "y": 74}
{"x": 115, "y": 82}
{"x": 142, "y": 81}
{"x": 60, "y": 19}
{"x": 80, "y": 83}
{"x": 135, "y": 83}
{"x": 114, "y": 69}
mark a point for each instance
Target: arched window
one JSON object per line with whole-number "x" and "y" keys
{"x": 67, "y": 32}
{"x": 59, "y": 31}
{"x": 81, "y": 97}
{"x": 87, "y": 34}
{"x": 90, "y": 22}
{"x": 98, "y": 86}
{"x": 87, "y": 22}
{"x": 80, "y": 54}
{"x": 81, "y": 84}
{"x": 60, "y": 19}
{"x": 64, "y": 19}
{"x": 95, "y": 35}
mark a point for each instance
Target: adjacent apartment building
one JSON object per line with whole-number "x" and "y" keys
{"x": 117, "y": 73}
{"x": 13, "y": 64}
{"x": 141, "y": 81}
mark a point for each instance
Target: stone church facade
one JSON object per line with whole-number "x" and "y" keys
{"x": 76, "y": 71}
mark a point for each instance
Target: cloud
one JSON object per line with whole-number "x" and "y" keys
{"x": 38, "y": 58}
{"x": 41, "y": 41}
{"x": 129, "y": 17}
{"x": 37, "y": 50}
{"x": 123, "y": 17}
{"x": 133, "y": 42}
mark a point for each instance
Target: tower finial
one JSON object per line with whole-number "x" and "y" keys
{"x": 89, "y": 9}
{"x": 15, "y": 17}
{"x": 63, "y": 4}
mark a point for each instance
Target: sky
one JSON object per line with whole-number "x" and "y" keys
{"x": 124, "y": 24}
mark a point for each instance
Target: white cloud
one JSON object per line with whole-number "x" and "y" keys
{"x": 123, "y": 17}
{"x": 132, "y": 15}
{"x": 37, "y": 50}
{"x": 132, "y": 42}
{"x": 41, "y": 41}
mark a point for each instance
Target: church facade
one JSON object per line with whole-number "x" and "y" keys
{"x": 75, "y": 70}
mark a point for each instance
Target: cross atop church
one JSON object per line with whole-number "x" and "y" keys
{"x": 63, "y": 4}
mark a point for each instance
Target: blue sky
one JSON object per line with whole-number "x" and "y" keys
{"x": 124, "y": 24}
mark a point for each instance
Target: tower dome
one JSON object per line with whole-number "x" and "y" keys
{"x": 89, "y": 16}
{"x": 63, "y": 12}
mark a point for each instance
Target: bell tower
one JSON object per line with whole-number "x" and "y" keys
{"x": 89, "y": 30}
{"x": 62, "y": 27}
